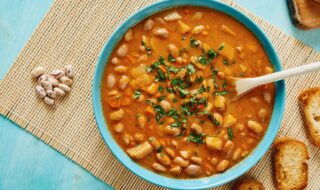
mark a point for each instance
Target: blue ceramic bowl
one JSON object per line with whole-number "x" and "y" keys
{"x": 200, "y": 183}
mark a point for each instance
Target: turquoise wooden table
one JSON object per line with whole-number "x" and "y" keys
{"x": 28, "y": 163}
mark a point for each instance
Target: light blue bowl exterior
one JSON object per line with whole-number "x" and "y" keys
{"x": 206, "y": 182}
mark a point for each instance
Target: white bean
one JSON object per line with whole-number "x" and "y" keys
{"x": 161, "y": 33}
{"x": 176, "y": 170}
{"x": 121, "y": 69}
{"x": 173, "y": 16}
{"x": 193, "y": 170}
{"x": 165, "y": 105}
{"x": 42, "y": 79}
{"x": 262, "y": 114}
{"x": 170, "y": 152}
{"x": 115, "y": 61}
{"x": 122, "y": 50}
{"x": 173, "y": 50}
{"x": 53, "y": 81}
{"x": 116, "y": 115}
{"x": 58, "y": 91}
{"x": 254, "y": 127}
{"x": 38, "y": 71}
{"x": 267, "y": 97}
{"x": 128, "y": 36}
{"x": 196, "y": 128}
{"x": 47, "y": 85}
{"x": 174, "y": 131}
{"x": 111, "y": 80}
{"x": 222, "y": 166}
{"x": 158, "y": 167}
{"x": 198, "y": 29}
{"x": 64, "y": 87}
{"x": 181, "y": 162}
{"x": 58, "y": 73}
{"x": 69, "y": 71}
{"x": 228, "y": 149}
{"x": 40, "y": 91}
{"x": 163, "y": 159}
{"x": 51, "y": 94}
{"x": 185, "y": 154}
{"x": 142, "y": 121}
{"x": 196, "y": 160}
{"x": 148, "y": 25}
{"x": 48, "y": 101}
{"x": 119, "y": 128}
{"x": 66, "y": 80}
{"x": 123, "y": 82}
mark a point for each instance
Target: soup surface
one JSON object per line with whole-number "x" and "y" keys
{"x": 166, "y": 99}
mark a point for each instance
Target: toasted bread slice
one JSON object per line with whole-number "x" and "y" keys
{"x": 309, "y": 102}
{"x": 248, "y": 184}
{"x": 290, "y": 164}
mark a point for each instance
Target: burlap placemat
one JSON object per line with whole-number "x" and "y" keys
{"x": 74, "y": 32}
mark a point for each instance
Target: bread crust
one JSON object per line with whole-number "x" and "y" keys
{"x": 305, "y": 98}
{"x": 278, "y": 164}
{"x": 246, "y": 184}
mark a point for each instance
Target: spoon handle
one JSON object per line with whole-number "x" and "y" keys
{"x": 312, "y": 67}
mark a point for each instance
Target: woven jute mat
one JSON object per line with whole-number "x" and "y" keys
{"x": 74, "y": 32}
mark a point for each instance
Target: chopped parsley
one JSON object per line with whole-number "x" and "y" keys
{"x": 175, "y": 100}
{"x": 160, "y": 88}
{"x": 159, "y": 112}
{"x": 161, "y": 76}
{"x": 171, "y": 90}
{"x": 161, "y": 98}
{"x": 147, "y": 48}
{"x": 185, "y": 109}
{"x": 194, "y": 42}
{"x": 221, "y": 47}
{"x": 171, "y": 58}
{"x": 159, "y": 149}
{"x": 191, "y": 69}
{"x": 224, "y": 84}
{"x": 214, "y": 120}
{"x": 225, "y": 61}
{"x": 202, "y": 121}
{"x": 172, "y": 69}
{"x": 220, "y": 93}
{"x": 196, "y": 138}
{"x": 199, "y": 79}
{"x": 183, "y": 92}
{"x": 203, "y": 89}
{"x": 207, "y": 58}
{"x": 137, "y": 94}
{"x": 230, "y": 133}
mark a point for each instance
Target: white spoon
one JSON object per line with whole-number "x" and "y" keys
{"x": 244, "y": 85}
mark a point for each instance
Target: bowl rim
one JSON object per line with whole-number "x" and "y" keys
{"x": 198, "y": 183}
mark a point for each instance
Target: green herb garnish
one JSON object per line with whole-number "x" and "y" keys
{"x": 230, "y": 133}
{"x": 171, "y": 58}
{"x": 160, "y": 88}
{"x": 191, "y": 69}
{"x": 194, "y": 42}
{"x": 196, "y": 138}
{"x": 214, "y": 120}
{"x": 220, "y": 93}
{"x": 221, "y": 47}
{"x": 159, "y": 149}
{"x": 137, "y": 94}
